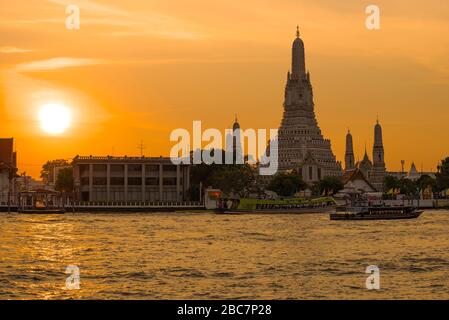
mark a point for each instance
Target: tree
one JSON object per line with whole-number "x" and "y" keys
{"x": 330, "y": 184}
{"x": 426, "y": 181}
{"x": 202, "y": 174}
{"x": 408, "y": 187}
{"x": 286, "y": 184}
{"x": 49, "y": 166}
{"x": 443, "y": 168}
{"x": 391, "y": 182}
{"x": 64, "y": 182}
{"x": 240, "y": 179}
{"x": 442, "y": 176}
{"x": 237, "y": 179}
{"x": 194, "y": 192}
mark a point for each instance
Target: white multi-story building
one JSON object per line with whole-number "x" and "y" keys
{"x": 130, "y": 179}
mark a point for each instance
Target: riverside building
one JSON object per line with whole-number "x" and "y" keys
{"x": 8, "y": 171}
{"x": 130, "y": 179}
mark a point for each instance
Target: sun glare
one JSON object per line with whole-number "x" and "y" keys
{"x": 55, "y": 118}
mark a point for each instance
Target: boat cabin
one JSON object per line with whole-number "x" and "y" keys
{"x": 40, "y": 199}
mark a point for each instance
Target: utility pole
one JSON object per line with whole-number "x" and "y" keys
{"x": 141, "y": 147}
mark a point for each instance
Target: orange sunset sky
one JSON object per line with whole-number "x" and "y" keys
{"x": 136, "y": 70}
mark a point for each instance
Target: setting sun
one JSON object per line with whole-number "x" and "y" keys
{"x": 54, "y": 118}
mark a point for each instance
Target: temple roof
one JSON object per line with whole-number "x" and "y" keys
{"x": 366, "y": 162}
{"x": 355, "y": 174}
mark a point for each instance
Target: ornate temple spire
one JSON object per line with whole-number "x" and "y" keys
{"x": 298, "y": 58}
{"x": 237, "y": 151}
{"x": 299, "y": 134}
{"x": 349, "y": 155}
{"x": 236, "y": 124}
{"x": 378, "y": 172}
{"x": 378, "y": 135}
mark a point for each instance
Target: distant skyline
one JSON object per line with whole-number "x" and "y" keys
{"x": 137, "y": 70}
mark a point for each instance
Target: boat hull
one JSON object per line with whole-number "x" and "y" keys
{"x": 367, "y": 216}
{"x": 39, "y": 211}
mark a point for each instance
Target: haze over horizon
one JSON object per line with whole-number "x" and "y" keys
{"x": 137, "y": 70}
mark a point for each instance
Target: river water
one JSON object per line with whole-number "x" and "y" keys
{"x": 207, "y": 256}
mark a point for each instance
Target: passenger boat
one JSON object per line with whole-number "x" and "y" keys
{"x": 360, "y": 207}
{"x": 377, "y": 213}
{"x": 40, "y": 202}
{"x": 268, "y": 206}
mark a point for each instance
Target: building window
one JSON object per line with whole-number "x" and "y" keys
{"x": 85, "y": 181}
{"x": 84, "y": 168}
{"x": 117, "y": 181}
{"x": 152, "y": 181}
{"x": 134, "y": 181}
{"x": 84, "y": 196}
{"x": 152, "y": 168}
{"x": 98, "y": 181}
{"x": 117, "y": 168}
{"x": 99, "y": 168}
{"x": 319, "y": 173}
{"x": 169, "y": 181}
{"x": 134, "y": 168}
{"x": 169, "y": 168}
{"x": 310, "y": 173}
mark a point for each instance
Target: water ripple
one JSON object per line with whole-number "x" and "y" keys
{"x": 205, "y": 256}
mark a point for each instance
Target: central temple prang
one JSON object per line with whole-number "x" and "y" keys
{"x": 301, "y": 144}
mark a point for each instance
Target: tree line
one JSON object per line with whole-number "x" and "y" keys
{"x": 425, "y": 182}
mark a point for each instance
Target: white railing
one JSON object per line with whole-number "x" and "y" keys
{"x": 136, "y": 204}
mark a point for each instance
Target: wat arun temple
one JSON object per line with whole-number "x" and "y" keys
{"x": 301, "y": 145}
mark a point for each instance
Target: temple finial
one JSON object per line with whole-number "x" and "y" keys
{"x": 297, "y": 31}
{"x": 236, "y": 117}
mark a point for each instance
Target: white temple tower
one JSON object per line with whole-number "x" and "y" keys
{"x": 299, "y": 136}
